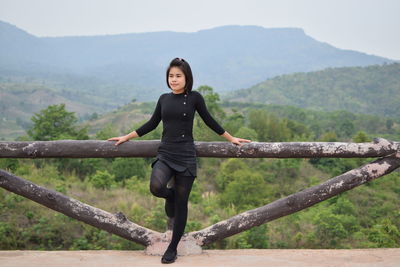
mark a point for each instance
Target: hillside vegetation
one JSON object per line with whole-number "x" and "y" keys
{"x": 373, "y": 90}
{"x": 368, "y": 90}
{"x": 21, "y": 97}
{"x": 366, "y": 217}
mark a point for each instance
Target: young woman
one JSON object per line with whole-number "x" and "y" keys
{"x": 176, "y": 155}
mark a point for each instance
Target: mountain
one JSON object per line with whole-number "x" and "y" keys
{"x": 369, "y": 90}
{"x": 226, "y": 58}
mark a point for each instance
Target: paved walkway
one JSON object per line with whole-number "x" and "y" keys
{"x": 231, "y": 258}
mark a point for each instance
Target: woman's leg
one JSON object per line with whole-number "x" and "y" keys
{"x": 183, "y": 186}
{"x": 160, "y": 176}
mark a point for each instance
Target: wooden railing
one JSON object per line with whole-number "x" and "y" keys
{"x": 156, "y": 242}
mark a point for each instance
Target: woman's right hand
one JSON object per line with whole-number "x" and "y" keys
{"x": 120, "y": 139}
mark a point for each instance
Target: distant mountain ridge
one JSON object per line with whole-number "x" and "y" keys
{"x": 368, "y": 90}
{"x": 226, "y": 58}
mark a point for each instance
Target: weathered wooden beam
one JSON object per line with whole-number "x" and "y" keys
{"x": 297, "y": 201}
{"x": 114, "y": 223}
{"x": 106, "y": 149}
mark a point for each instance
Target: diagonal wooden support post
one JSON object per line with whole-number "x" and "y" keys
{"x": 155, "y": 242}
{"x": 114, "y": 223}
{"x": 297, "y": 201}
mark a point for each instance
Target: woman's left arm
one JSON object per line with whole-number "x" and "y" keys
{"x": 234, "y": 140}
{"x": 209, "y": 120}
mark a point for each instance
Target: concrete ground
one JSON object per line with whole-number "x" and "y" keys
{"x": 231, "y": 258}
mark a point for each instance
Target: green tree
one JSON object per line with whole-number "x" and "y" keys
{"x": 335, "y": 166}
{"x": 384, "y": 234}
{"x": 329, "y": 228}
{"x": 228, "y": 167}
{"x": 389, "y": 124}
{"x": 102, "y": 179}
{"x": 298, "y": 130}
{"x": 211, "y": 98}
{"x": 55, "y": 123}
{"x": 258, "y": 237}
{"x": 268, "y": 126}
{"x": 329, "y": 137}
{"x": 246, "y": 133}
{"x": 124, "y": 168}
{"x": 107, "y": 132}
{"x": 234, "y": 122}
{"x": 361, "y": 137}
{"x": 9, "y": 164}
{"x": 247, "y": 190}
{"x": 346, "y": 128}
{"x": 201, "y": 130}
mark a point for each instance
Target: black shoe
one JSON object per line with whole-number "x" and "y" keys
{"x": 170, "y": 207}
{"x": 169, "y": 256}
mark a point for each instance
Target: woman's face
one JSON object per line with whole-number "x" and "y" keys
{"x": 176, "y": 80}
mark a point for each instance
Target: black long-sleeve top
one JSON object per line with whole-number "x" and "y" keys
{"x": 177, "y": 114}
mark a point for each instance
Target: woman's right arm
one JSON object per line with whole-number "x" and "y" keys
{"x": 150, "y": 125}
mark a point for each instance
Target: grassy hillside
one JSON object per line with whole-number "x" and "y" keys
{"x": 368, "y": 90}
{"x": 19, "y": 100}
{"x": 122, "y": 119}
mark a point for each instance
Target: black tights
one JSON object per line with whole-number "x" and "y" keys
{"x": 160, "y": 177}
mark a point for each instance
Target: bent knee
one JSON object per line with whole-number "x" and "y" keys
{"x": 156, "y": 189}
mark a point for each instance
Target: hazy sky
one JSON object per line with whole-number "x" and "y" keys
{"x": 370, "y": 26}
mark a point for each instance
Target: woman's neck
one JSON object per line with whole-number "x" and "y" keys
{"x": 179, "y": 92}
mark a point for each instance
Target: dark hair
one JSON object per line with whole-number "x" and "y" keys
{"x": 185, "y": 68}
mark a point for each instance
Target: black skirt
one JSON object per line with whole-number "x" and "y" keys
{"x": 180, "y": 157}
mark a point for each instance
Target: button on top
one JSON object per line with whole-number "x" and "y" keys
{"x": 184, "y": 114}
{"x": 183, "y": 135}
{"x": 185, "y": 95}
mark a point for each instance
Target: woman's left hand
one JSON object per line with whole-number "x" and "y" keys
{"x": 239, "y": 141}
